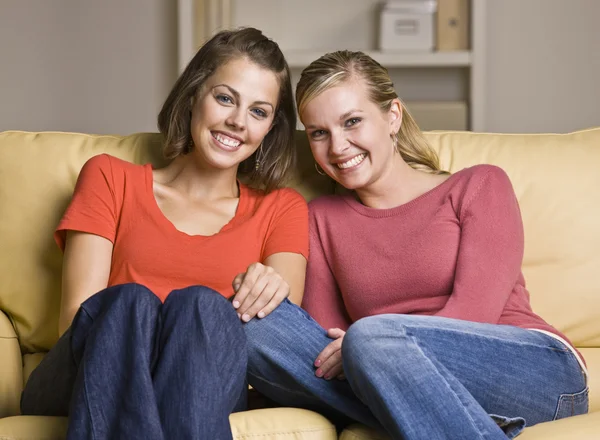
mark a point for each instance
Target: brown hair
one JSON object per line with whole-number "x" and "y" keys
{"x": 336, "y": 67}
{"x": 278, "y": 154}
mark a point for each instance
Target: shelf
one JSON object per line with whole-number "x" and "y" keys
{"x": 300, "y": 59}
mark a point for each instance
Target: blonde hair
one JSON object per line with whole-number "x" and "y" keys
{"x": 336, "y": 67}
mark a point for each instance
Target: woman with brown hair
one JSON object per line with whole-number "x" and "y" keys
{"x": 151, "y": 348}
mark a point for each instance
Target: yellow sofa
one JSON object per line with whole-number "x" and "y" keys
{"x": 556, "y": 178}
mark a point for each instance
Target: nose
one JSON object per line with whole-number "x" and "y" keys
{"x": 236, "y": 119}
{"x": 338, "y": 144}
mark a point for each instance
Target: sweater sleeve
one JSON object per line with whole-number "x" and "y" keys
{"x": 322, "y": 297}
{"x": 93, "y": 206}
{"x": 490, "y": 252}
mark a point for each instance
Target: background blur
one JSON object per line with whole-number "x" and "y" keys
{"x": 105, "y": 66}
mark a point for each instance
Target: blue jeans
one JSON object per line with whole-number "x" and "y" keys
{"x": 133, "y": 367}
{"x": 419, "y": 377}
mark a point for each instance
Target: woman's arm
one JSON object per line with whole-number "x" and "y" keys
{"x": 322, "y": 297}
{"x": 490, "y": 253}
{"x": 86, "y": 268}
{"x": 292, "y": 268}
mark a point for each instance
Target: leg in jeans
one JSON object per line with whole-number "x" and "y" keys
{"x": 113, "y": 341}
{"x": 281, "y": 350}
{"x": 133, "y": 374}
{"x": 201, "y": 371}
{"x": 437, "y": 378}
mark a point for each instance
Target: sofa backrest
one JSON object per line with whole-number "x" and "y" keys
{"x": 556, "y": 179}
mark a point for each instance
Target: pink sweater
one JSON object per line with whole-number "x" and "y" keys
{"x": 455, "y": 251}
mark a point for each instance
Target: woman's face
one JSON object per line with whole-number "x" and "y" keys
{"x": 349, "y": 135}
{"x": 233, "y": 112}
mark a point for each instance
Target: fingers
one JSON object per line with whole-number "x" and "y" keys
{"x": 237, "y": 281}
{"x": 329, "y": 361}
{"x": 280, "y": 294}
{"x": 248, "y": 280}
{"x": 259, "y": 291}
{"x": 262, "y": 299}
{"x": 335, "y": 333}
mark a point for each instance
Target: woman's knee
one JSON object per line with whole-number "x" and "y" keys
{"x": 122, "y": 297}
{"x": 199, "y": 298}
{"x": 368, "y": 337}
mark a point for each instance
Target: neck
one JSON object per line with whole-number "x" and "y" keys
{"x": 188, "y": 176}
{"x": 397, "y": 185}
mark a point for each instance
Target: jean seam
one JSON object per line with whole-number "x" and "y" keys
{"x": 88, "y": 409}
{"x": 561, "y": 349}
{"x": 483, "y": 432}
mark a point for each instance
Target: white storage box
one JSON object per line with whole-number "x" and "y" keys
{"x": 407, "y": 25}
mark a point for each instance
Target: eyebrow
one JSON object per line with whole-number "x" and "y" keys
{"x": 344, "y": 116}
{"x": 236, "y": 94}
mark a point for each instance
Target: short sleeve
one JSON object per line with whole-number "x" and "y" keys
{"x": 93, "y": 206}
{"x": 289, "y": 227}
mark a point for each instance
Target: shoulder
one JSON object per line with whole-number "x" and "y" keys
{"x": 108, "y": 164}
{"x": 475, "y": 178}
{"x": 107, "y": 170}
{"x": 479, "y": 184}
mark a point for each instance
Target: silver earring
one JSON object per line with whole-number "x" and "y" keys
{"x": 319, "y": 169}
{"x": 259, "y": 158}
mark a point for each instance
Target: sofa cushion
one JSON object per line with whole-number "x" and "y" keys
{"x": 264, "y": 424}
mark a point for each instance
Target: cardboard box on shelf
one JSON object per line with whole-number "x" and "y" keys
{"x": 452, "y": 25}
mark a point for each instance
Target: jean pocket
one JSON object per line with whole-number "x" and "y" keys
{"x": 572, "y": 404}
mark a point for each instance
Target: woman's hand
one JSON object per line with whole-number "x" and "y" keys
{"x": 258, "y": 291}
{"x": 329, "y": 361}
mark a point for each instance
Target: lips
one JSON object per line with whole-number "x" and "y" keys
{"x": 227, "y": 142}
{"x": 351, "y": 162}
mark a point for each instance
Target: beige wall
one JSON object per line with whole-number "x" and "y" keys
{"x": 543, "y": 65}
{"x": 84, "y": 65}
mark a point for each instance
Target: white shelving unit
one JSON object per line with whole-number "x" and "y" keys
{"x": 456, "y": 75}
{"x": 301, "y": 58}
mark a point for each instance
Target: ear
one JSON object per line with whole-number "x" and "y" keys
{"x": 395, "y": 116}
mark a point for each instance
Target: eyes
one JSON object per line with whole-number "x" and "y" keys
{"x": 228, "y": 100}
{"x": 348, "y": 123}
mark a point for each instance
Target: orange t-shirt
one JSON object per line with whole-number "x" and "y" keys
{"x": 114, "y": 199}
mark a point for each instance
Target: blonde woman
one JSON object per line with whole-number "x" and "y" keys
{"x": 416, "y": 275}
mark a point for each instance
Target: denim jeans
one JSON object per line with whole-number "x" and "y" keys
{"x": 419, "y": 377}
{"x": 132, "y": 367}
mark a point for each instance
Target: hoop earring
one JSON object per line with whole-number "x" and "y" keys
{"x": 319, "y": 169}
{"x": 259, "y": 157}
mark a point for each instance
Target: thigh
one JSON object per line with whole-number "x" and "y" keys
{"x": 510, "y": 371}
{"x": 282, "y": 349}
{"x": 49, "y": 387}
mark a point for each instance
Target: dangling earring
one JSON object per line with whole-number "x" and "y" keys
{"x": 394, "y": 138}
{"x": 319, "y": 169}
{"x": 259, "y": 158}
{"x": 190, "y": 146}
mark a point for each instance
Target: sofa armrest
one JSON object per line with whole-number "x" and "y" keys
{"x": 11, "y": 369}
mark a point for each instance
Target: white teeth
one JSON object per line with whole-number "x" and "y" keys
{"x": 227, "y": 140}
{"x": 352, "y": 162}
